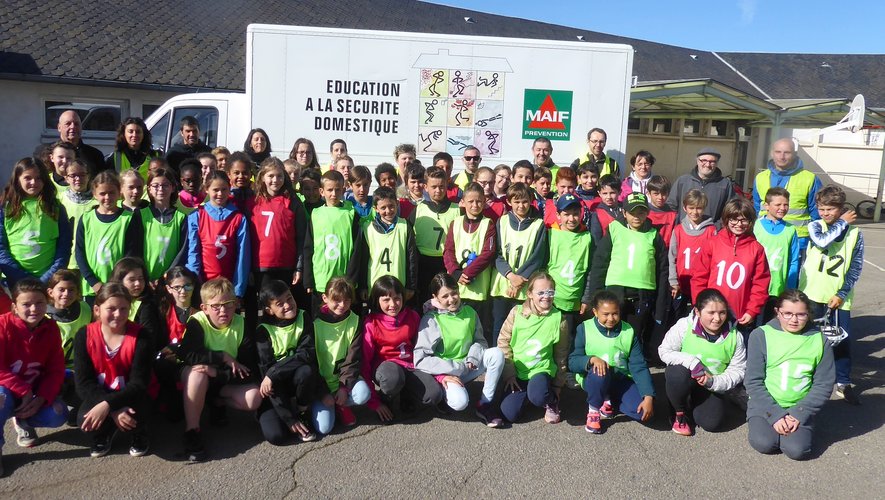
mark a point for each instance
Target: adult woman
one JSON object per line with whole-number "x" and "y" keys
{"x": 636, "y": 182}
{"x": 305, "y": 154}
{"x": 133, "y": 148}
{"x": 706, "y": 361}
{"x": 257, "y": 145}
{"x": 790, "y": 375}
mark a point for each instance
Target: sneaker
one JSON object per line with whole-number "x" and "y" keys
{"x": 218, "y": 416}
{"x": 140, "y": 445}
{"x": 345, "y": 415}
{"x": 594, "y": 422}
{"x": 841, "y": 391}
{"x": 551, "y": 414}
{"x": 102, "y": 443}
{"x": 488, "y": 415}
{"x": 27, "y": 435}
{"x": 310, "y": 435}
{"x": 71, "y": 420}
{"x": 606, "y": 411}
{"x": 680, "y": 425}
{"x": 193, "y": 446}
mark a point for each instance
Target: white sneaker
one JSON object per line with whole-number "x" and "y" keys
{"x": 27, "y": 435}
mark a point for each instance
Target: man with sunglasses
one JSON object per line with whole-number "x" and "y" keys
{"x": 471, "y": 160}
{"x": 707, "y": 177}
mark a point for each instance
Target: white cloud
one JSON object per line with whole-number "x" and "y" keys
{"x": 748, "y": 10}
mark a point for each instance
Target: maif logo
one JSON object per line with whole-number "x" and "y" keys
{"x": 547, "y": 113}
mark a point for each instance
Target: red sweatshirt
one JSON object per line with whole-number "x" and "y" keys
{"x": 486, "y": 256}
{"x": 31, "y": 360}
{"x": 387, "y": 339}
{"x": 664, "y": 220}
{"x": 737, "y": 267}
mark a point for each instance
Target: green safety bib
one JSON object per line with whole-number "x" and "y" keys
{"x": 162, "y": 241}
{"x": 798, "y": 185}
{"x": 632, "y": 262}
{"x": 823, "y": 272}
{"x": 133, "y": 309}
{"x": 59, "y": 189}
{"x": 791, "y": 360}
{"x": 75, "y": 212}
{"x": 465, "y": 243}
{"x": 777, "y": 251}
{"x": 516, "y": 246}
{"x": 121, "y": 162}
{"x": 387, "y": 252}
{"x": 332, "y": 342}
{"x": 332, "y": 243}
{"x": 456, "y": 331}
{"x": 284, "y": 339}
{"x": 615, "y": 351}
{"x": 226, "y": 339}
{"x": 70, "y": 328}
{"x": 431, "y": 228}
{"x": 32, "y": 237}
{"x": 569, "y": 263}
{"x": 716, "y": 356}
{"x": 532, "y": 342}
{"x": 105, "y": 243}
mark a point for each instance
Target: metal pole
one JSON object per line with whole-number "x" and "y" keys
{"x": 877, "y": 213}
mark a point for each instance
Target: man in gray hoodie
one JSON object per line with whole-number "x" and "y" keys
{"x": 707, "y": 177}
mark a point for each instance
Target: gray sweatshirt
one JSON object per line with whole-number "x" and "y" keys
{"x": 761, "y": 404}
{"x": 429, "y": 346}
{"x": 671, "y": 353}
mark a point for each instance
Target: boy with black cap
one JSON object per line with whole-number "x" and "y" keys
{"x": 571, "y": 251}
{"x": 631, "y": 261}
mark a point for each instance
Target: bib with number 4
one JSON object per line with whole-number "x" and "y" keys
{"x": 615, "y": 351}
{"x": 791, "y": 360}
{"x": 569, "y": 262}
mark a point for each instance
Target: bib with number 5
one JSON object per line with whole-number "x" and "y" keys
{"x": 218, "y": 243}
{"x": 791, "y": 360}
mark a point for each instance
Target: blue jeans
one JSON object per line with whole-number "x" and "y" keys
{"x": 324, "y": 416}
{"x": 53, "y": 415}
{"x": 616, "y": 387}
{"x": 538, "y": 390}
{"x": 492, "y": 363}
{"x": 842, "y": 352}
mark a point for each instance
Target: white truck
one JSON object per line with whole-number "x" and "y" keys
{"x": 377, "y": 89}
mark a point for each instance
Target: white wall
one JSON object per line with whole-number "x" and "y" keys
{"x": 22, "y": 126}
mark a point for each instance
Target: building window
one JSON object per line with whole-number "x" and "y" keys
{"x": 662, "y": 126}
{"x": 691, "y": 127}
{"x": 719, "y": 128}
{"x": 148, "y": 109}
{"x": 633, "y": 124}
{"x": 95, "y": 116}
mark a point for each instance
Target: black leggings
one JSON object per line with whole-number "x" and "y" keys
{"x": 296, "y": 392}
{"x": 706, "y": 408}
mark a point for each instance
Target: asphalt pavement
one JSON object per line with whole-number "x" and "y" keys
{"x": 431, "y": 456}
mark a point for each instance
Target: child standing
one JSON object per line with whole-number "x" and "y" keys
{"x": 432, "y": 219}
{"x": 470, "y": 252}
{"x": 192, "y": 195}
{"x": 240, "y": 169}
{"x": 132, "y": 191}
{"x": 414, "y": 181}
{"x": 384, "y": 247}
{"x": 77, "y": 199}
{"x": 391, "y": 331}
{"x": 502, "y": 182}
{"x": 608, "y": 209}
{"x": 385, "y": 176}
{"x": 588, "y": 177}
{"x": 608, "y": 363}
{"x": 543, "y": 182}
{"x": 32, "y": 364}
{"x": 661, "y": 215}
{"x": 309, "y": 185}
{"x": 451, "y": 347}
{"x": 535, "y": 343}
{"x": 112, "y": 362}
{"x": 734, "y": 263}
{"x": 571, "y": 251}
{"x": 781, "y": 244}
{"x": 165, "y": 231}
{"x": 360, "y": 180}
{"x": 218, "y": 237}
{"x": 219, "y": 358}
{"x": 338, "y": 349}
{"x": 522, "y": 250}
{"x": 62, "y": 154}
{"x": 105, "y": 235}
{"x": 685, "y": 244}
{"x": 706, "y": 360}
{"x": 833, "y": 263}
{"x": 790, "y": 374}
{"x": 287, "y": 362}
{"x": 35, "y": 234}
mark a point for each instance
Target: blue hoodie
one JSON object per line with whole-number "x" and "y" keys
{"x": 244, "y": 249}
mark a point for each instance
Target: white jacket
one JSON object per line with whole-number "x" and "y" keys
{"x": 671, "y": 354}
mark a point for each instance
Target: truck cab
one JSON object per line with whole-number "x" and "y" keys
{"x": 223, "y": 117}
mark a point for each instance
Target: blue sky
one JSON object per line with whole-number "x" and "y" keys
{"x": 812, "y": 26}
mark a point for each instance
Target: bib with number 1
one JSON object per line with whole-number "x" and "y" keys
{"x": 632, "y": 261}
{"x": 516, "y": 246}
{"x": 791, "y": 360}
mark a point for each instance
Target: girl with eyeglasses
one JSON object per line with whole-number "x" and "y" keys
{"x": 176, "y": 307}
{"x": 165, "y": 231}
{"x": 535, "y": 342}
{"x": 790, "y": 375}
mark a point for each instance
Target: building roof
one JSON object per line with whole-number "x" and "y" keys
{"x": 196, "y": 45}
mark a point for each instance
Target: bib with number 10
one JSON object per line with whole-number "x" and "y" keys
{"x": 332, "y": 242}
{"x": 532, "y": 342}
{"x": 615, "y": 351}
{"x": 791, "y": 360}
{"x": 32, "y": 237}
{"x": 105, "y": 243}
{"x": 632, "y": 261}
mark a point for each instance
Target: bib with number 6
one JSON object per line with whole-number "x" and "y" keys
{"x": 32, "y": 237}
{"x": 105, "y": 243}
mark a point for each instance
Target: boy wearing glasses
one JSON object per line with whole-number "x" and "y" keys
{"x": 219, "y": 360}
{"x": 832, "y": 266}
{"x": 781, "y": 245}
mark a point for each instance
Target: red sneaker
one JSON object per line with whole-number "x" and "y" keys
{"x": 680, "y": 425}
{"x": 606, "y": 411}
{"x": 345, "y": 415}
{"x": 594, "y": 422}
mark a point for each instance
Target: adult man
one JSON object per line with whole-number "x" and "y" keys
{"x": 707, "y": 177}
{"x": 542, "y": 150}
{"x": 71, "y": 130}
{"x": 471, "y": 161}
{"x": 606, "y": 165}
{"x": 785, "y": 170}
{"x": 190, "y": 145}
